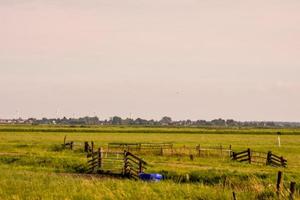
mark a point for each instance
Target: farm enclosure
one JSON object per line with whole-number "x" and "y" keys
{"x": 35, "y": 159}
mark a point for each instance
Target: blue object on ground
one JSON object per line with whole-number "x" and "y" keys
{"x": 150, "y": 177}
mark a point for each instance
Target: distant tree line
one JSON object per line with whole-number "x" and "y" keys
{"x": 165, "y": 121}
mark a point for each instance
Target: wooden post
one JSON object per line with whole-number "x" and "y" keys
{"x": 233, "y": 156}
{"x": 71, "y": 145}
{"x": 199, "y": 151}
{"x": 65, "y": 138}
{"x": 233, "y": 195}
{"x": 249, "y": 156}
{"x": 269, "y": 156}
{"x": 86, "y": 146}
{"x": 191, "y": 157}
{"x": 92, "y": 143}
{"x": 279, "y": 183}
{"x": 161, "y": 151}
{"x": 278, "y": 139}
{"x": 282, "y": 161}
{"x": 230, "y": 151}
{"x": 100, "y": 157}
{"x": 292, "y": 190}
{"x": 92, "y": 168}
{"x": 125, "y": 163}
{"x": 140, "y": 167}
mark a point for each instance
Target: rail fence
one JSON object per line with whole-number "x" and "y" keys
{"x": 261, "y": 158}
{"x": 168, "y": 149}
{"x": 274, "y": 160}
{"x": 285, "y": 190}
{"x": 68, "y": 145}
{"x": 115, "y": 163}
{"x": 159, "y": 149}
{"x": 123, "y": 159}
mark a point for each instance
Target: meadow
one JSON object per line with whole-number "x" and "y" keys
{"x": 34, "y": 166}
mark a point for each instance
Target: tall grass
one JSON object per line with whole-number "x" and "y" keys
{"x": 33, "y": 165}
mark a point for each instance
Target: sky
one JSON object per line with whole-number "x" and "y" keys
{"x": 191, "y": 59}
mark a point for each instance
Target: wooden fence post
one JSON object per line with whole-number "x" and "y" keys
{"x": 269, "y": 156}
{"x": 233, "y": 156}
{"x": 71, "y": 145}
{"x": 282, "y": 161}
{"x": 86, "y": 146}
{"x": 100, "y": 157}
{"x": 140, "y": 167}
{"x": 65, "y": 138}
{"x": 249, "y": 155}
{"x": 292, "y": 190}
{"x": 279, "y": 183}
{"x": 199, "y": 151}
{"x": 125, "y": 163}
{"x": 191, "y": 157}
{"x": 92, "y": 167}
{"x": 233, "y": 195}
{"x": 92, "y": 143}
{"x": 230, "y": 151}
{"x": 161, "y": 151}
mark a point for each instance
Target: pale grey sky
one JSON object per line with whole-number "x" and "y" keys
{"x": 191, "y": 59}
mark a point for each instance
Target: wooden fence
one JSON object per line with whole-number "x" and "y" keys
{"x": 244, "y": 156}
{"x": 140, "y": 148}
{"x": 133, "y": 165}
{"x": 261, "y": 158}
{"x": 276, "y": 161}
{"x": 285, "y": 191}
{"x": 115, "y": 163}
{"x": 168, "y": 149}
{"x": 68, "y": 145}
{"x": 159, "y": 149}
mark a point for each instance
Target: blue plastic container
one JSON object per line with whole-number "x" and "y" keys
{"x": 151, "y": 177}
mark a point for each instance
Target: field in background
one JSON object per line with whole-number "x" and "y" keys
{"x": 33, "y": 165}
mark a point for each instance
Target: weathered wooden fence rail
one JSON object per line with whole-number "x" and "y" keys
{"x": 160, "y": 149}
{"x": 68, "y": 145}
{"x": 168, "y": 149}
{"x": 242, "y": 156}
{"x": 276, "y": 161}
{"x": 133, "y": 165}
{"x": 262, "y": 158}
{"x": 117, "y": 163}
{"x": 285, "y": 191}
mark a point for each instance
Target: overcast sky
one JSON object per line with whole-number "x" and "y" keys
{"x": 188, "y": 59}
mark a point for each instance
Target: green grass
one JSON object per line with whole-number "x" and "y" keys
{"x": 143, "y": 129}
{"x": 33, "y": 165}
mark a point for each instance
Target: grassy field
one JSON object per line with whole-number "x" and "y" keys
{"x": 33, "y": 165}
